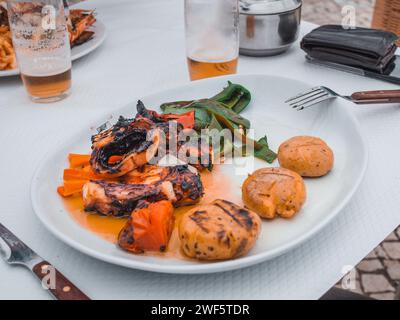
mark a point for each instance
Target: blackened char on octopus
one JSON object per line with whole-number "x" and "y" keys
{"x": 3, "y": 16}
{"x": 134, "y": 142}
{"x": 177, "y": 184}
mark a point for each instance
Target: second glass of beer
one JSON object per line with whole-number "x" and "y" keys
{"x": 212, "y": 37}
{"x": 41, "y": 43}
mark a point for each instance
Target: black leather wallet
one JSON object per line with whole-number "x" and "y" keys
{"x": 369, "y": 49}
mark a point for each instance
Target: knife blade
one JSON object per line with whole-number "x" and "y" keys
{"x": 15, "y": 251}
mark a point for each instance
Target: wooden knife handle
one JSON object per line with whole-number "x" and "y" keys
{"x": 58, "y": 285}
{"x": 379, "y": 96}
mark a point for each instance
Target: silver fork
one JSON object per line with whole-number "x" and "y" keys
{"x": 319, "y": 94}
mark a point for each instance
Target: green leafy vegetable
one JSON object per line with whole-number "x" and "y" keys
{"x": 262, "y": 150}
{"x": 204, "y": 109}
{"x": 222, "y": 112}
{"x": 214, "y": 124}
{"x": 234, "y": 97}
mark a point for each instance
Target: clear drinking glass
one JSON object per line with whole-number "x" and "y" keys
{"x": 212, "y": 37}
{"x": 41, "y": 43}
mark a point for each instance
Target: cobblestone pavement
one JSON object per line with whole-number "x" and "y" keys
{"x": 378, "y": 275}
{"x": 330, "y": 11}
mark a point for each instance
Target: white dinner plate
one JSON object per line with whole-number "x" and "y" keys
{"x": 77, "y": 52}
{"x": 326, "y": 196}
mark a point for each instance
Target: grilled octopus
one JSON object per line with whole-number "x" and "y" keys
{"x": 134, "y": 143}
{"x": 201, "y": 154}
{"x": 177, "y": 184}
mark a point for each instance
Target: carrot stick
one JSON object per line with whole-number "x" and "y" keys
{"x": 76, "y": 160}
{"x": 68, "y": 192}
{"x": 74, "y": 174}
{"x": 61, "y": 191}
{"x": 78, "y": 174}
{"x": 73, "y": 186}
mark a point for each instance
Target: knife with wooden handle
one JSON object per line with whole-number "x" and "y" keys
{"x": 14, "y": 251}
{"x": 378, "y": 96}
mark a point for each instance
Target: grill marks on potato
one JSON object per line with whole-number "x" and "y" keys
{"x": 239, "y": 215}
{"x": 199, "y": 217}
{"x": 219, "y": 230}
{"x": 222, "y": 238}
{"x": 232, "y": 215}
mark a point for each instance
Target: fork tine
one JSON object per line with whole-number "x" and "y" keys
{"x": 308, "y": 98}
{"x": 305, "y": 93}
{"x": 308, "y": 104}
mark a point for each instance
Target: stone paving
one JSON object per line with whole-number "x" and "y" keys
{"x": 378, "y": 275}
{"x": 330, "y": 11}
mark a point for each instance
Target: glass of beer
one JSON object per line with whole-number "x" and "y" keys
{"x": 41, "y": 43}
{"x": 212, "y": 37}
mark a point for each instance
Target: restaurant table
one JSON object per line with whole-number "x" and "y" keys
{"x": 143, "y": 53}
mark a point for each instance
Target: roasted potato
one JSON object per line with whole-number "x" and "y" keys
{"x": 274, "y": 192}
{"x": 218, "y": 231}
{"x": 308, "y": 156}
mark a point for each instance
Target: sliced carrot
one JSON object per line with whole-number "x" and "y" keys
{"x": 72, "y": 187}
{"x": 76, "y": 160}
{"x": 70, "y": 190}
{"x": 148, "y": 229}
{"x": 77, "y": 175}
{"x": 61, "y": 191}
{"x": 74, "y": 174}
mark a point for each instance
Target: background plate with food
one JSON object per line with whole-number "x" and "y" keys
{"x": 285, "y": 228}
{"x": 87, "y": 33}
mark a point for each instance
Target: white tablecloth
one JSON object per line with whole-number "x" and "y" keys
{"x": 144, "y": 52}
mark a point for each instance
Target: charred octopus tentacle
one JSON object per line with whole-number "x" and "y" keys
{"x": 132, "y": 143}
{"x": 127, "y": 145}
{"x": 176, "y": 184}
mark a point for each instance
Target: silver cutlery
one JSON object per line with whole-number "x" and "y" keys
{"x": 15, "y": 252}
{"x": 319, "y": 94}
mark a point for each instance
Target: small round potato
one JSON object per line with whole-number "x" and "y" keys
{"x": 272, "y": 192}
{"x": 218, "y": 231}
{"x": 308, "y": 156}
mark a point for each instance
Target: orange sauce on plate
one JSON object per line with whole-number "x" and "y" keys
{"x": 217, "y": 185}
{"x": 105, "y": 227}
